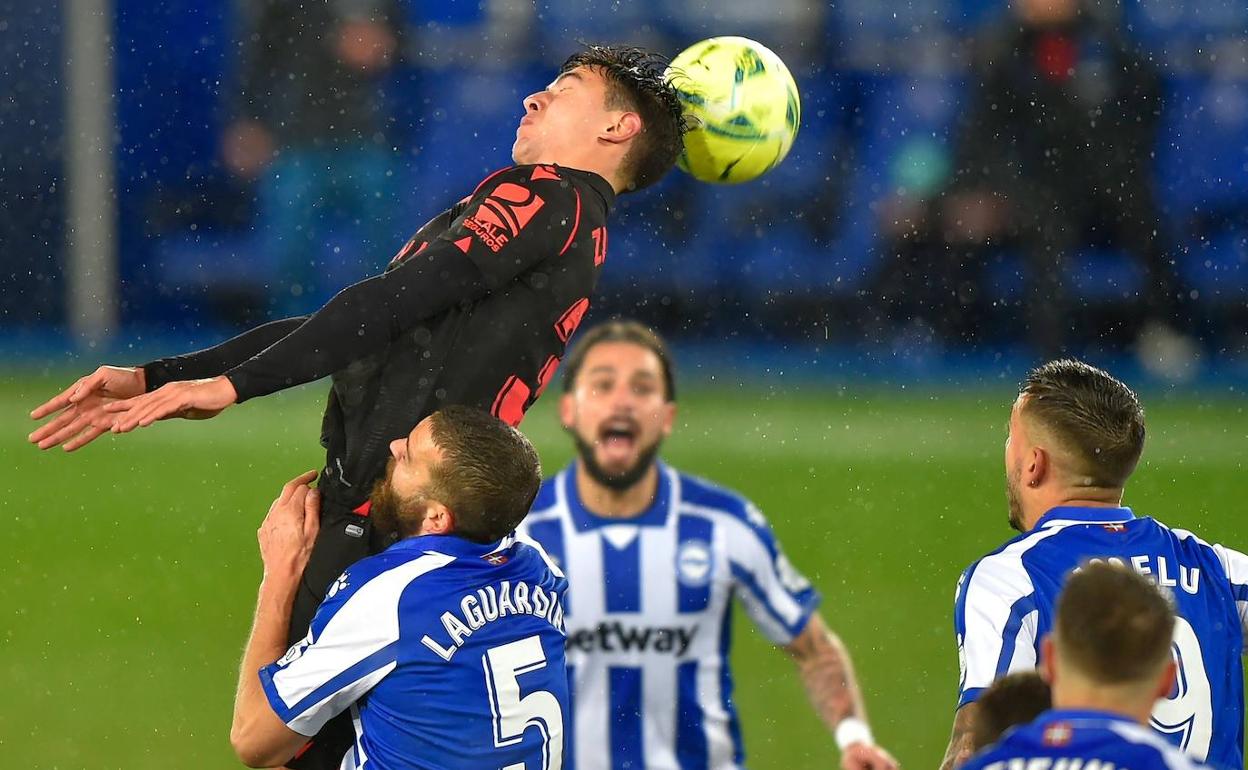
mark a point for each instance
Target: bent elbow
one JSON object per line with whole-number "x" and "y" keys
{"x": 248, "y": 751}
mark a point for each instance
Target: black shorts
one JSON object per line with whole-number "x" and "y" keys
{"x": 344, "y": 538}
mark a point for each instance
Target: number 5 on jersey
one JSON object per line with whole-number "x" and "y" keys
{"x": 504, "y": 665}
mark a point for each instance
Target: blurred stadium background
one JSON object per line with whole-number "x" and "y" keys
{"x": 873, "y": 443}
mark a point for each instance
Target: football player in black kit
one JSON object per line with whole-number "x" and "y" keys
{"x": 475, "y": 309}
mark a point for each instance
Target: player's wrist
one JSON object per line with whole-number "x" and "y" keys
{"x": 852, "y": 730}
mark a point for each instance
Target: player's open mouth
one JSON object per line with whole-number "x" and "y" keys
{"x": 618, "y": 437}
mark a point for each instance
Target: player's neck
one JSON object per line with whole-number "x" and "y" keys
{"x": 1073, "y": 498}
{"x": 591, "y": 163}
{"x": 627, "y": 503}
{"x": 1089, "y": 696}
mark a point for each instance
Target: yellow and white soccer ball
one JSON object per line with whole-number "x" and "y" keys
{"x": 742, "y": 106}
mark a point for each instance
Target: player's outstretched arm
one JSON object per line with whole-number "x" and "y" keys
{"x": 960, "y": 748}
{"x": 459, "y": 267}
{"x": 78, "y": 414}
{"x": 828, "y": 676}
{"x": 259, "y": 737}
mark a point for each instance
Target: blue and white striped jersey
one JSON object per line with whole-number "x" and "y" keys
{"x": 1005, "y": 603}
{"x": 1081, "y": 740}
{"x": 450, "y": 654}
{"x": 649, "y": 612}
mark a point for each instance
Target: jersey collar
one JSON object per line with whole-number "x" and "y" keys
{"x": 1081, "y": 514}
{"x": 599, "y": 184}
{"x": 1076, "y": 715}
{"x": 451, "y": 545}
{"x": 584, "y": 519}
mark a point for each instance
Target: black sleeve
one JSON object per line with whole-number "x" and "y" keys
{"x": 216, "y": 360}
{"x": 512, "y": 222}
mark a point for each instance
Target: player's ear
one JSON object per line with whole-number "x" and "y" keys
{"x": 439, "y": 520}
{"x": 567, "y": 410}
{"x": 669, "y": 417}
{"x": 1168, "y": 677}
{"x": 1037, "y": 468}
{"x": 625, "y": 126}
{"x": 1047, "y": 664}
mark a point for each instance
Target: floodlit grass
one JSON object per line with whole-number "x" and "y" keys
{"x": 131, "y": 567}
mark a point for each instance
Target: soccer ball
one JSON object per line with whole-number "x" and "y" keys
{"x": 742, "y": 107}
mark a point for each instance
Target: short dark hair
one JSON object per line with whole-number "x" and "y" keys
{"x": 1094, "y": 415}
{"x": 1113, "y": 625}
{"x": 636, "y": 81}
{"x": 1014, "y": 699}
{"x": 619, "y": 330}
{"x": 489, "y": 472}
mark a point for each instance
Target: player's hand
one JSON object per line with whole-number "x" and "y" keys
{"x": 289, "y": 530}
{"x": 861, "y": 756}
{"x": 188, "y": 399}
{"x": 79, "y": 414}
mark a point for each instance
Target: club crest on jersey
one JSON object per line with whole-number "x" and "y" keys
{"x": 693, "y": 563}
{"x": 1114, "y": 527}
{"x": 339, "y": 584}
{"x": 495, "y": 559}
{"x": 1057, "y": 734}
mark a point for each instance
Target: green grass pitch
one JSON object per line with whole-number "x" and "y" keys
{"x": 130, "y": 568}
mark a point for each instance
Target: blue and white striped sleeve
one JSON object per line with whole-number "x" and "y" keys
{"x": 777, "y": 597}
{"x": 352, "y": 644}
{"x": 1236, "y": 566}
{"x": 995, "y": 621}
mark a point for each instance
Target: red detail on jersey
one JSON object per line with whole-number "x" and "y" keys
{"x": 510, "y": 401}
{"x": 576, "y": 222}
{"x": 565, "y": 327}
{"x": 423, "y": 245}
{"x": 303, "y": 750}
{"x": 496, "y": 559}
{"x": 544, "y": 172}
{"x": 546, "y": 375}
{"x": 1056, "y": 56}
{"x": 463, "y": 244}
{"x": 521, "y": 201}
{"x": 364, "y": 508}
{"x": 1114, "y": 527}
{"x": 503, "y": 214}
{"x": 1057, "y": 734}
{"x": 599, "y": 235}
{"x": 406, "y": 250}
{"x": 486, "y": 181}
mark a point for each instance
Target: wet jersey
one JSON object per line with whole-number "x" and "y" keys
{"x": 1005, "y": 604}
{"x": 475, "y": 309}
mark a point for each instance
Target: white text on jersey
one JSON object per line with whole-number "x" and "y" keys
{"x": 487, "y": 605}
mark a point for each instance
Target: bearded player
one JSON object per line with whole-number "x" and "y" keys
{"x": 655, "y": 558}
{"x": 475, "y": 310}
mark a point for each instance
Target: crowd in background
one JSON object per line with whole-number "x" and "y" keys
{"x": 1060, "y": 173}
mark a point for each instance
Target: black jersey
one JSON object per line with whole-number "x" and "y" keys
{"x": 538, "y": 235}
{"x": 476, "y": 309}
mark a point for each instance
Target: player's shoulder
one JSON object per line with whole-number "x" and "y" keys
{"x": 699, "y": 494}
{"x": 549, "y": 179}
{"x": 1150, "y": 749}
{"x": 1004, "y": 570}
{"x": 547, "y": 502}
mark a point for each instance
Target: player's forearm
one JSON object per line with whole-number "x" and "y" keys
{"x": 362, "y": 320}
{"x": 267, "y": 643}
{"x": 827, "y": 674}
{"x": 216, "y": 360}
{"x": 960, "y": 747}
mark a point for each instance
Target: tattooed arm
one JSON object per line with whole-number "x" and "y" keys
{"x": 960, "y": 740}
{"x": 828, "y": 676}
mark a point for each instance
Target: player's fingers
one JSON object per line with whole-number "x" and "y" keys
{"x": 84, "y": 438}
{"x": 68, "y": 431}
{"x": 92, "y": 382}
{"x": 51, "y": 426}
{"x": 302, "y": 480}
{"x": 54, "y": 404}
{"x": 312, "y": 515}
